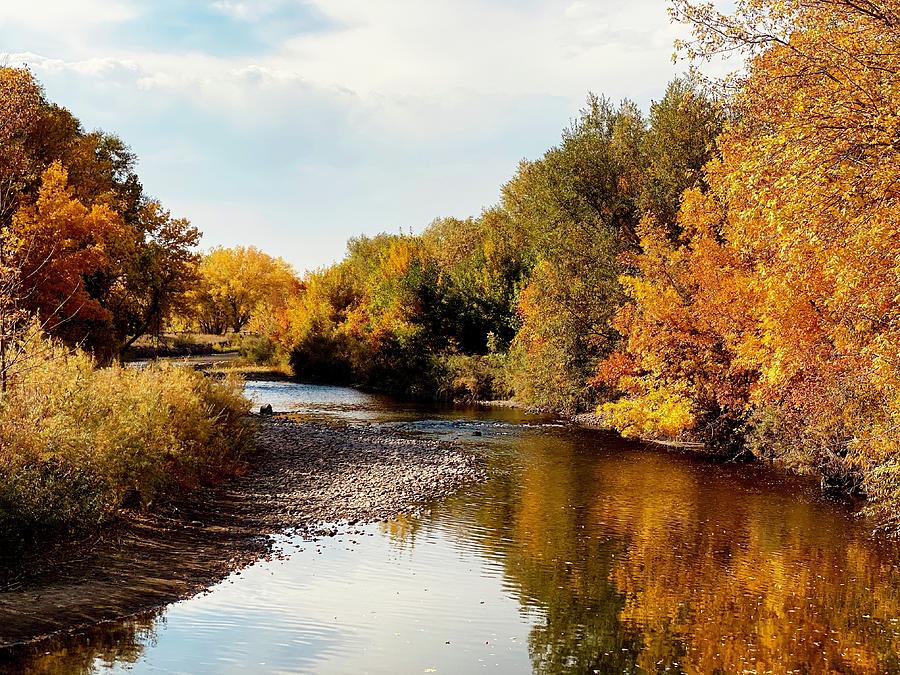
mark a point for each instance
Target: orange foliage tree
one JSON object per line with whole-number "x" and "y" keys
{"x": 59, "y": 244}
{"x": 80, "y": 244}
{"x": 808, "y": 194}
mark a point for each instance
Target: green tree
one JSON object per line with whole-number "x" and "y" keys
{"x": 579, "y": 203}
{"x": 683, "y": 128}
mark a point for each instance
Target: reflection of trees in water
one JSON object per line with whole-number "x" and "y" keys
{"x": 402, "y": 530}
{"x": 645, "y": 562}
{"x": 763, "y": 581}
{"x": 119, "y": 643}
{"x": 581, "y": 629}
{"x": 535, "y": 522}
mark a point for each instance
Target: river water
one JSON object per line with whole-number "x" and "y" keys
{"x": 580, "y": 554}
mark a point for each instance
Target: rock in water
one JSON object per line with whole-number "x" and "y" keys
{"x": 265, "y": 409}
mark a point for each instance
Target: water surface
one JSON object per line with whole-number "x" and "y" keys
{"x": 581, "y": 554}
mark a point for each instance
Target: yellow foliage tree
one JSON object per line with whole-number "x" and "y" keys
{"x": 794, "y": 275}
{"x": 235, "y": 284}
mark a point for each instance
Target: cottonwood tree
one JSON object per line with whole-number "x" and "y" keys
{"x": 236, "y": 283}
{"x": 117, "y": 261}
{"x": 20, "y": 101}
{"x": 155, "y": 272}
{"x": 804, "y": 208}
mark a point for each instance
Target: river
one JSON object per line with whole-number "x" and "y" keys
{"x": 580, "y": 554}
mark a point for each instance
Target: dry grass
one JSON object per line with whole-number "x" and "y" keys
{"x": 78, "y": 443}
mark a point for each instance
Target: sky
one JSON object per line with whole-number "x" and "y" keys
{"x": 292, "y": 125}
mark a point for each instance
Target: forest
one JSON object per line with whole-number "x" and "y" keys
{"x": 723, "y": 268}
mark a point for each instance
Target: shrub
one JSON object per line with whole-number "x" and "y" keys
{"x": 473, "y": 378}
{"x": 77, "y": 442}
{"x": 185, "y": 342}
{"x": 882, "y": 485}
{"x": 259, "y": 350}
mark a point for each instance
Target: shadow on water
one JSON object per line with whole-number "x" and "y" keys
{"x": 580, "y": 554}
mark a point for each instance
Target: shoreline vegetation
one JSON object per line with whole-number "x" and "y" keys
{"x": 721, "y": 269}
{"x": 82, "y": 443}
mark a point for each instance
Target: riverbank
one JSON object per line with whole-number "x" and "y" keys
{"x": 313, "y": 479}
{"x": 180, "y": 345}
{"x": 538, "y": 556}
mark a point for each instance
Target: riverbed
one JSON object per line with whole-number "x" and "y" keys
{"x": 579, "y": 553}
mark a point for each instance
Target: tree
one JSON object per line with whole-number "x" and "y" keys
{"x": 690, "y": 310}
{"x": 488, "y": 260}
{"x": 813, "y": 181}
{"x": 20, "y": 101}
{"x": 578, "y": 204}
{"x": 237, "y": 283}
{"x": 88, "y": 229}
{"x": 680, "y": 140}
{"x": 786, "y": 261}
{"x": 59, "y": 245}
{"x": 156, "y": 270}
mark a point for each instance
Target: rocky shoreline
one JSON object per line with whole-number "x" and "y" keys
{"x": 311, "y": 479}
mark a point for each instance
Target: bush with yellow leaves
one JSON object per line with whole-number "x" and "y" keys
{"x": 78, "y": 443}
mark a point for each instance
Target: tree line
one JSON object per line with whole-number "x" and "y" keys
{"x": 724, "y": 268}
{"x": 82, "y": 247}
{"x": 88, "y": 264}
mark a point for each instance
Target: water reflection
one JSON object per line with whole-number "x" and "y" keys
{"x": 580, "y": 555}
{"x": 661, "y": 563}
{"x": 101, "y": 648}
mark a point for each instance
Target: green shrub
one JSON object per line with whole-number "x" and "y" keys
{"x": 259, "y": 350}
{"x": 474, "y": 378}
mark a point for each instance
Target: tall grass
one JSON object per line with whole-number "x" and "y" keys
{"x": 78, "y": 443}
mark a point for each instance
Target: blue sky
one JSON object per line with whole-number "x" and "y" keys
{"x": 292, "y": 125}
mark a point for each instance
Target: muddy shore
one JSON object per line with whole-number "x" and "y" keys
{"x": 313, "y": 479}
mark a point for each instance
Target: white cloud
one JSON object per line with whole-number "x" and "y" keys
{"x": 551, "y": 47}
{"x": 66, "y": 15}
{"x": 399, "y": 107}
{"x": 99, "y": 67}
{"x": 410, "y": 62}
{"x": 246, "y": 10}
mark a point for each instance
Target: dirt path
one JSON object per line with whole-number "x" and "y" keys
{"x": 314, "y": 479}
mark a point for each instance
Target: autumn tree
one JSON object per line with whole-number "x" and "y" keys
{"x": 787, "y": 257}
{"x": 237, "y": 283}
{"x": 681, "y": 364}
{"x": 59, "y": 245}
{"x": 155, "y": 272}
{"x": 812, "y": 174}
{"x": 93, "y": 241}
{"x": 582, "y": 202}
{"x": 20, "y": 102}
{"x": 313, "y": 329}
